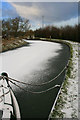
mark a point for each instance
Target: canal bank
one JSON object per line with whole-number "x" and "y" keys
{"x": 12, "y": 44}
{"x": 66, "y": 103}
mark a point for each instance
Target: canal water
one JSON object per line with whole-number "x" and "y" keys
{"x": 37, "y": 63}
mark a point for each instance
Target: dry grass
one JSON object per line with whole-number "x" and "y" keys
{"x": 9, "y": 44}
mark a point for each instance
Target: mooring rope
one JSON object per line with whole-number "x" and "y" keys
{"x": 3, "y": 87}
{"x": 44, "y": 83}
{"x": 4, "y": 94}
{"x": 34, "y": 92}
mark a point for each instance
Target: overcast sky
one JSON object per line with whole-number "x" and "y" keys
{"x": 55, "y": 13}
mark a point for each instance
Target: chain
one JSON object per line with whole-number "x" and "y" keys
{"x": 33, "y": 92}
{"x": 38, "y": 84}
{"x": 44, "y": 83}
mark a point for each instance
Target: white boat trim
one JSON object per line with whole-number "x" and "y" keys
{"x": 8, "y": 101}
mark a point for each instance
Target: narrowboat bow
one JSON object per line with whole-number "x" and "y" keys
{"x": 9, "y": 107}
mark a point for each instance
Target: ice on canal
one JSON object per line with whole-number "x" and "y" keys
{"x": 26, "y": 60}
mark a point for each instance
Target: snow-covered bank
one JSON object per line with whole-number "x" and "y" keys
{"x": 71, "y": 107}
{"x": 67, "y": 103}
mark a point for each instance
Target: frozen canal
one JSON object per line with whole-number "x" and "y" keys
{"x": 37, "y": 63}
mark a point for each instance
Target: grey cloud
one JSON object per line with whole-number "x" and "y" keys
{"x": 53, "y": 11}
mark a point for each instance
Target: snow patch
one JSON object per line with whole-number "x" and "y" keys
{"x": 23, "y": 61}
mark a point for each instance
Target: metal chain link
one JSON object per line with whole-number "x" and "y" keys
{"x": 33, "y": 92}
{"x": 38, "y": 84}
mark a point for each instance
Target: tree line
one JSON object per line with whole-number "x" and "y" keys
{"x": 65, "y": 33}
{"x": 19, "y": 27}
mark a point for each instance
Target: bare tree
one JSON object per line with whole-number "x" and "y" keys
{"x": 15, "y": 27}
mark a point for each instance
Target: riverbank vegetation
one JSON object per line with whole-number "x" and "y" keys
{"x": 12, "y": 44}
{"x": 64, "y": 107}
{"x": 64, "y": 33}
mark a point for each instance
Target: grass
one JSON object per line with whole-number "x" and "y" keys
{"x": 12, "y": 43}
